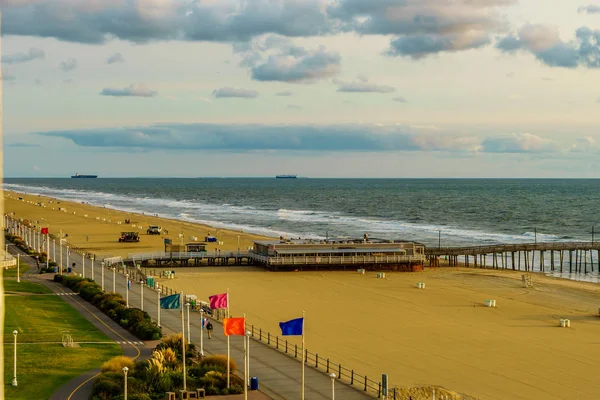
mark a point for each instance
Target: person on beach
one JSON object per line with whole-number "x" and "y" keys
{"x": 209, "y": 329}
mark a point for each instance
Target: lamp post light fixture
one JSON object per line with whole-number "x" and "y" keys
{"x": 14, "y": 381}
{"x": 332, "y": 376}
{"x": 125, "y": 370}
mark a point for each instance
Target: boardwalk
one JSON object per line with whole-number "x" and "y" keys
{"x": 279, "y": 375}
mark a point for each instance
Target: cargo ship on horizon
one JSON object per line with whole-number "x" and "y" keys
{"x": 83, "y": 176}
{"x": 286, "y": 176}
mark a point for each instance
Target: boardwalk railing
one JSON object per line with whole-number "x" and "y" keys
{"x": 341, "y": 260}
{"x": 166, "y": 255}
{"x": 7, "y": 260}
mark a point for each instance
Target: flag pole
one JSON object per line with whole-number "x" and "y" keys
{"x": 183, "y": 339}
{"x": 245, "y": 362}
{"x": 303, "y": 355}
{"x": 228, "y": 349}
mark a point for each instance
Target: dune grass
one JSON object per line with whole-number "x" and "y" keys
{"x": 43, "y": 367}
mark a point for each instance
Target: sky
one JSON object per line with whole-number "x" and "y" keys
{"x": 318, "y": 88}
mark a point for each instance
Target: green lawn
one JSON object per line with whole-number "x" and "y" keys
{"x": 42, "y": 368}
{"x": 12, "y": 286}
{"x": 12, "y": 272}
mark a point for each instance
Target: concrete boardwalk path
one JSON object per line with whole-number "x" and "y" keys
{"x": 80, "y": 388}
{"x": 279, "y": 375}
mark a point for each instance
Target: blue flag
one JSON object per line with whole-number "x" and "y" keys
{"x": 172, "y": 301}
{"x": 294, "y": 327}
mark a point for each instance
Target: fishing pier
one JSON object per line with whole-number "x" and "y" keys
{"x": 572, "y": 257}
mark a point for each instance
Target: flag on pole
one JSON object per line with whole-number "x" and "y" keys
{"x": 44, "y": 231}
{"x": 170, "y": 302}
{"x": 218, "y": 301}
{"x": 294, "y": 327}
{"x": 234, "y": 326}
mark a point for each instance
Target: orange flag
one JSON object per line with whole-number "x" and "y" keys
{"x": 234, "y": 326}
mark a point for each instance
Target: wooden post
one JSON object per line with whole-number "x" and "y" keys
{"x": 542, "y": 266}
{"x": 552, "y": 260}
{"x": 570, "y": 261}
{"x": 512, "y": 254}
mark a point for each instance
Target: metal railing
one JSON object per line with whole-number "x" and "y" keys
{"x": 502, "y": 248}
{"x": 341, "y": 260}
{"x": 166, "y": 255}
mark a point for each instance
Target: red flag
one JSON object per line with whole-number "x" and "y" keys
{"x": 44, "y": 231}
{"x": 234, "y": 326}
{"x": 218, "y": 301}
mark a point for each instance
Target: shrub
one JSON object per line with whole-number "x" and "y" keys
{"x": 116, "y": 364}
{"x": 108, "y": 386}
{"x": 89, "y": 291}
{"x": 147, "y": 330}
{"x": 219, "y": 361}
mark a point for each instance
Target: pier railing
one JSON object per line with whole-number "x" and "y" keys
{"x": 341, "y": 260}
{"x": 502, "y": 248}
{"x": 182, "y": 255}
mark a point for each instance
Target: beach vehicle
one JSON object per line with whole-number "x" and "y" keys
{"x": 129, "y": 237}
{"x": 154, "y": 230}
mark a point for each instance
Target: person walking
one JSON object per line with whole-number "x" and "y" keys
{"x": 209, "y": 329}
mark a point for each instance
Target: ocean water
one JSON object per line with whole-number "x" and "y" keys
{"x": 452, "y": 212}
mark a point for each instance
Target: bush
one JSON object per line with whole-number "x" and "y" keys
{"x": 219, "y": 362}
{"x": 108, "y": 386}
{"x": 116, "y": 364}
{"x": 147, "y": 331}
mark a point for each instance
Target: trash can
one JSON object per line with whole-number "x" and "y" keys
{"x": 254, "y": 383}
{"x": 150, "y": 281}
{"x": 69, "y": 270}
{"x": 55, "y": 269}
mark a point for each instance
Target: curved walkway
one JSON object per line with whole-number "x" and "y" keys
{"x": 80, "y": 388}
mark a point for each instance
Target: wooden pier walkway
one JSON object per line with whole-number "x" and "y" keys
{"x": 578, "y": 257}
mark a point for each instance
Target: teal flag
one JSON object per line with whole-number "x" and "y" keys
{"x": 172, "y": 301}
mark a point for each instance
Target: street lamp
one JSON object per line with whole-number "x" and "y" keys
{"x": 201, "y": 332}
{"x": 14, "y": 382}
{"x": 125, "y": 369}
{"x": 83, "y": 265}
{"x": 114, "y": 280}
{"x": 142, "y": 295}
{"x": 127, "y": 291}
{"x": 158, "y": 291}
{"x": 247, "y": 338}
{"x": 102, "y": 271}
{"x": 93, "y": 276}
{"x": 187, "y": 305}
{"x": 332, "y": 376}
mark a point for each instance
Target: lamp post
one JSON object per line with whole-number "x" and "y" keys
{"x": 14, "y": 381}
{"x": 127, "y": 290}
{"x": 83, "y": 265}
{"x": 332, "y": 376}
{"x": 187, "y": 305}
{"x": 102, "y": 272}
{"x": 125, "y": 369}
{"x": 201, "y": 332}
{"x": 93, "y": 276}
{"x": 18, "y": 268}
{"x": 142, "y": 295}
{"x": 158, "y": 291}
{"x": 114, "y": 280}
{"x": 439, "y": 239}
{"x": 238, "y": 237}
{"x": 68, "y": 253}
{"x": 248, "y": 355}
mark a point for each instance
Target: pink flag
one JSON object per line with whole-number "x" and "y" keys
{"x": 218, "y": 301}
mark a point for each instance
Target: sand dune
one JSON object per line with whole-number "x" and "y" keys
{"x": 442, "y": 335}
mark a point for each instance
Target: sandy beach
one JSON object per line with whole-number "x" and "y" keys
{"x": 443, "y": 335}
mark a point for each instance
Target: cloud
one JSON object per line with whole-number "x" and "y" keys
{"x": 400, "y": 99}
{"x": 227, "y": 92}
{"x": 423, "y": 27}
{"x": 362, "y": 86}
{"x": 589, "y": 9}
{"x": 314, "y": 138}
{"x": 96, "y": 22}
{"x": 68, "y": 65}
{"x": 417, "y": 27}
{"x": 518, "y": 143}
{"x": 32, "y": 54}
{"x": 115, "y": 58}
{"x": 284, "y": 93}
{"x": 132, "y": 90}
{"x": 585, "y": 144}
{"x": 275, "y": 58}
{"x": 543, "y": 41}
